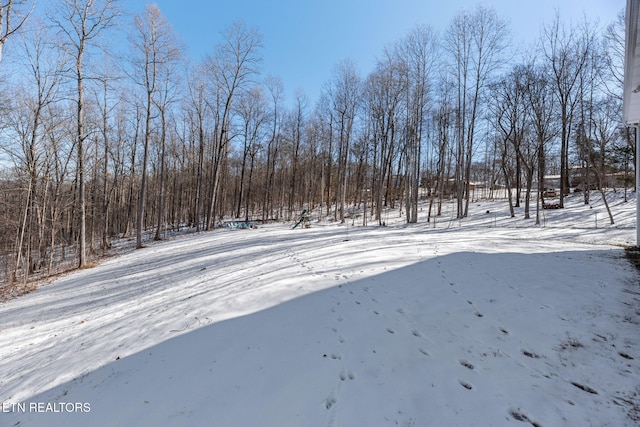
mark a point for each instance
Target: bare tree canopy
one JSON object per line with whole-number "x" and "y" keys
{"x": 13, "y": 14}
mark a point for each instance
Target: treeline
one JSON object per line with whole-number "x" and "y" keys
{"x": 97, "y": 145}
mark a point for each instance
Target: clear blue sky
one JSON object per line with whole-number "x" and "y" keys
{"x": 304, "y": 40}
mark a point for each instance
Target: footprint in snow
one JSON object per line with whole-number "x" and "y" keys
{"x": 329, "y": 402}
{"x": 348, "y": 375}
{"x": 466, "y": 384}
{"x": 466, "y": 364}
{"x": 518, "y": 415}
{"x": 531, "y": 354}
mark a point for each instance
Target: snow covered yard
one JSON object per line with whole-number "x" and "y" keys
{"x": 487, "y": 321}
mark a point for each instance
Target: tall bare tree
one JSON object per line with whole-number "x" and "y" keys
{"x": 345, "y": 90}
{"x": 418, "y": 51}
{"x": 82, "y": 22}
{"x": 156, "y": 49}
{"x": 296, "y": 124}
{"x": 234, "y": 65}
{"x": 540, "y": 101}
{"x": 45, "y": 66}
{"x": 276, "y": 93}
{"x": 567, "y": 52}
{"x": 252, "y": 109}
{"x": 196, "y": 111}
{"x": 475, "y": 42}
{"x": 383, "y": 95}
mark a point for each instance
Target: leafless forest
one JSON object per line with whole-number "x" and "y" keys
{"x": 99, "y": 143}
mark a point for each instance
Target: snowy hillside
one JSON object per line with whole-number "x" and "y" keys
{"x": 486, "y": 321}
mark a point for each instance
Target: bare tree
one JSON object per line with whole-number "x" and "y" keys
{"x": 45, "y": 67}
{"x": 10, "y": 12}
{"x": 82, "y": 21}
{"x": 475, "y": 42}
{"x": 383, "y": 94}
{"x": 106, "y": 104}
{"x": 541, "y": 117}
{"x": 606, "y": 123}
{"x": 567, "y": 53}
{"x": 344, "y": 92}
{"x": 418, "y": 51}
{"x": 168, "y": 86}
{"x": 234, "y": 65}
{"x": 196, "y": 111}
{"x": 508, "y": 115}
{"x": 613, "y": 49}
{"x": 296, "y": 123}
{"x": 276, "y": 89}
{"x": 252, "y": 109}
{"x": 156, "y": 50}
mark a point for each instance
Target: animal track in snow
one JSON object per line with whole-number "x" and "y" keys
{"x": 518, "y": 415}
{"x": 531, "y": 354}
{"x": 329, "y": 402}
{"x": 466, "y": 364}
{"x": 465, "y": 384}
{"x": 347, "y": 375}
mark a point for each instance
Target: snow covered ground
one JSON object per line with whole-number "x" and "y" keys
{"x": 485, "y": 321}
